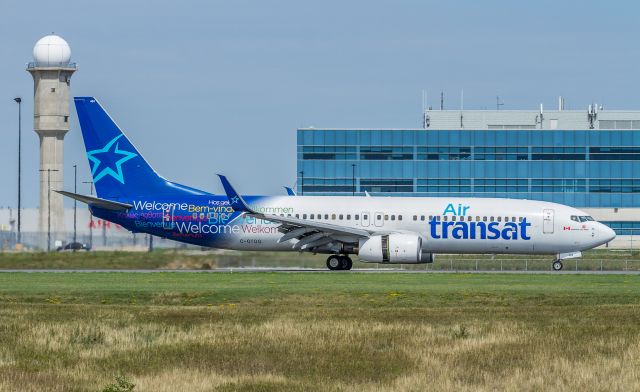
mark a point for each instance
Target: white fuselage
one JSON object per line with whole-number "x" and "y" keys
{"x": 446, "y": 225}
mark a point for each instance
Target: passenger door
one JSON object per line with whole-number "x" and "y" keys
{"x": 547, "y": 221}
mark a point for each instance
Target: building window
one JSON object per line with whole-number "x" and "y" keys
{"x": 328, "y": 185}
{"x": 444, "y": 185}
{"x": 328, "y": 153}
{"x": 613, "y": 153}
{"x": 386, "y": 153}
{"x": 500, "y": 185}
{"x": 444, "y": 153}
{"x": 386, "y": 185}
{"x": 561, "y": 185}
{"x": 624, "y": 228}
{"x": 501, "y": 153}
{"x": 558, "y": 153}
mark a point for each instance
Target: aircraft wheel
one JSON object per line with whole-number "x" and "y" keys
{"x": 334, "y": 262}
{"x": 345, "y": 263}
{"x": 557, "y": 265}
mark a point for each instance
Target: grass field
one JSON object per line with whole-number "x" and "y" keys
{"x": 340, "y": 331}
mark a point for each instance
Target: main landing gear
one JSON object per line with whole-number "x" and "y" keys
{"x": 557, "y": 265}
{"x": 339, "y": 263}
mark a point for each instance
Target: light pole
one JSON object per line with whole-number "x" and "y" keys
{"x": 301, "y": 183}
{"x": 90, "y": 214}
{"x": 19, "y": 102}
{"x": 75, "y": 204}
{"x": 48, "y": 206}
{"x": 353, "y": 179}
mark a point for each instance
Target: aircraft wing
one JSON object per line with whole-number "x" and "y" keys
{"x": 98, "y": 202}
{"x": 309, "y": 233}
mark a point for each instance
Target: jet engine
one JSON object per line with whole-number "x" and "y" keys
{"x": 394, "y": 248}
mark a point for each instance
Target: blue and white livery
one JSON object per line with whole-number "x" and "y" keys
{"x": 376, "y": 229}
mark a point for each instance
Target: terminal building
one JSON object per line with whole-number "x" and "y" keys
{"x": 589, "y": 159}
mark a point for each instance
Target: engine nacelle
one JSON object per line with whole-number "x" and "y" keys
{"x": 394, "y": 248}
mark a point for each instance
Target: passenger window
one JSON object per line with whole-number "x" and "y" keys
{"x": 304, "y": 216}
{"x": 379, "y": 217}
{"x": 297, "y": 216}
{"x": 341, "y": 216}
{"x": 422, "y": 217}
{"x": 491, "y": 219}
{"x": 348, "y": 217}
{"x": 499, "y": 219}
{"x": 333, "y": 216}
{"x": 520, "y": 219}
{"x": 513, "y": 219}
{"x": 438, "y": 218}
{"x": 288, "y": 215}
{"x": 477, "y": 219}
{"x": 386, "y": 217}
{"x": 415, "y": 217}
{"x": 393, "y": 217}
{"x": 484, "y": 218}
{"x": 453, "y": 218}
{"x": 399, "y": 217}
{"x": 444, "y": 218}
{"x": 356, "y": 217}
{"x": 470, "y": 218}
{"x": 312, "y": 216}
{"x": 326, "y": 216}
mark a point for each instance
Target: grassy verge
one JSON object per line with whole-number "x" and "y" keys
{"x": 342, "y": 332}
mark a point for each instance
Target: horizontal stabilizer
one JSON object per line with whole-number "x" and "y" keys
{"x": 98, "y": 202}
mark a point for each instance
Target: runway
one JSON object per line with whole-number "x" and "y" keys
{"x": 316, "y": 270}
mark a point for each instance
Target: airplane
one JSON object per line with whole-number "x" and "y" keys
{"x": 386, "y": 230}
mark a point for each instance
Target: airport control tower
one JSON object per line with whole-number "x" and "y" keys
{"x": 51, "y": 71}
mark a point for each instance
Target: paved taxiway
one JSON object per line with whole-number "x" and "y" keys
{"x": 319, "y": 270}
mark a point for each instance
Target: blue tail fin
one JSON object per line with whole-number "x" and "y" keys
{"x": 118, "y": 169}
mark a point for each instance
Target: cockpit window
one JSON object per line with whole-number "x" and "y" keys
{"x": 574, "y": 218}
{"x": 589, "y": 219}
{"x": 586, "y": 219}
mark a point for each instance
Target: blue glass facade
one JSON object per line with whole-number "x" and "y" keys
{"x": 581, "y": 168}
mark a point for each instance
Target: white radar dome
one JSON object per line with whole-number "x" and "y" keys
{"x": 51, "y": 51}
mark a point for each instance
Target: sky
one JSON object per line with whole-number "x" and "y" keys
{"x": 206, "y": 87}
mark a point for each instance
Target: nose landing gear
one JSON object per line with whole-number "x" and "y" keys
{"x": 557, "y": 265}
{"x": 339, "y": 263}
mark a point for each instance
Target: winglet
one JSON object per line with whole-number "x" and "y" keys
{"x": 290, "y": 191}
{"x": 236, "y": 201}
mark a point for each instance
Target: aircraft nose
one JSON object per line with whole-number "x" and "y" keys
{"x": 607, "y": 233}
